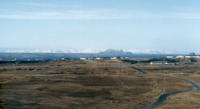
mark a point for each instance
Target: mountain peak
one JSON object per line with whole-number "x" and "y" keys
{"x": 113, "y": 52}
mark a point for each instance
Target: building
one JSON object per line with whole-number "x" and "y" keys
{"x": 62, "y": 58}
{"x": 82, "y": 58}
{"x": 113, "y": 58}
{"x": 158, "y": 62}
{"x": 195, "y": 56}
{"x": 170, "y": 57}
{"x": 180, "y": 57}
{"x": 97, "y": 58}
{"x": 188, "y": 57}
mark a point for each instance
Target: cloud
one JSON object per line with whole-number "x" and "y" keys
{"x": 35, "y": 4}
{"x": 96, "y": 15}
{"x": 68, "y": 15}
{"x": 193, "y": 16}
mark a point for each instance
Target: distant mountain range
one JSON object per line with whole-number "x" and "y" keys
{"x": 15, "y": 50}
{"x": 116, "y": 53}
{"x": 51, "y": 55}
{"x": 102, "y": 51}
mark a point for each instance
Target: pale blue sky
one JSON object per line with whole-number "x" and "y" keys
{"x": 169, "y": 25}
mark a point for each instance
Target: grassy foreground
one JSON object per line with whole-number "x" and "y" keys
{"x": 95, "y": 84}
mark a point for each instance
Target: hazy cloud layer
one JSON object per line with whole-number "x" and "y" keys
{"x": 96, "y": 15}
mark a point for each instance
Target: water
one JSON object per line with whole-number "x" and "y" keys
{"x": 164, "y": 96}
{"x": 140, "y": 70}
{"x": 160, "y": 100}
{"x": 53, "y": 74}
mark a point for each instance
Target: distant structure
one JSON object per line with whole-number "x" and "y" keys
{"x": 97, "y": 58}
{"x": 196, "y": 56}
{"x": 158, "y": 62}
{"x": 62, "y": 58}
{"x": 190, "y": 55}
{"x": 180, "y": 57}
{"x": 113, "y": 58}
{"x": 82, "y": 58}
{"x": 124, "y": 57}
{"x": 170, "y": 57}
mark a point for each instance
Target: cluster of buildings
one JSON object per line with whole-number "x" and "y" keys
{"x": 162, "y": 63}
{"x": 168, "y": 60}
{"x": 191, "y": 55}
{"x": 182, "y": 57}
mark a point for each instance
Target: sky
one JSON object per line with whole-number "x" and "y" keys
{"x": 163, "y": 25}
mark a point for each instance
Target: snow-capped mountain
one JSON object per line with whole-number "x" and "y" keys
{"x": 89, "y": 50}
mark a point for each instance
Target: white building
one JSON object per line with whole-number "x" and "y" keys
{"x": 62, "y": 58}
{"x": 192, "y": 56}
{"x": 180, "y": 57}
{"x": 158, "y": 62}
{"x": 98, "y": 58}
{"x": 82, "y": 58}
{"x": 188, "y": 56}
{"x": 113, "y": 58}
{"x": 196, "y": 56}
{"x": 170, "y": 57}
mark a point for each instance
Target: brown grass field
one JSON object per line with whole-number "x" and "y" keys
{"x": 95, "y": 84}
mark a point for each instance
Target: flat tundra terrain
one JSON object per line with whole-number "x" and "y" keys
{"x": 98, "y": 84}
